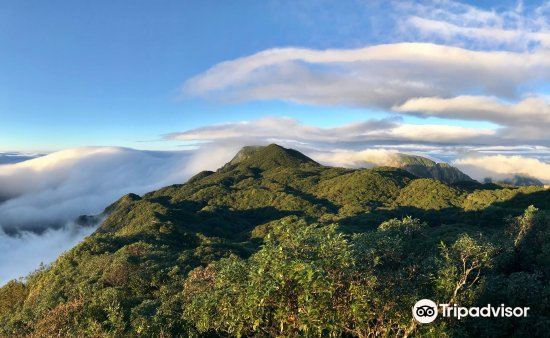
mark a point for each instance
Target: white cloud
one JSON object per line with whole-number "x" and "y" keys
{"x": 58, "y": 187}
{"x": 533, "y": 110}
{"x": 438, "y": 133}
{"x": 367, "y": 158}
{"x": 25, "y": 252}
{"x": 380, "y": 76}
{"x": 39, "y": 198}
{"x": 501, "y": 166}
{"x": 488, "y": 36}
{"x": 266, "y": 129}
{"x": 462, "y": 24}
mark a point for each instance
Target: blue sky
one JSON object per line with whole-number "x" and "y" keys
{"x": 77, "y": 73}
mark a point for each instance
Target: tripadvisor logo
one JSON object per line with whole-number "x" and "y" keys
{"x": 426, "y": 311}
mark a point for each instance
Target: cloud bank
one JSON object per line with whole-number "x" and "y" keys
{"x": 63, "y": 185}
{"x": 501, "y": 166}
{"x": 40, "y": 197}
{"x": 25, "y": 252}
{"x": 367, "y": 158}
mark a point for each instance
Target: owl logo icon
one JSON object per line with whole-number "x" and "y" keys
{"x": 425, "y": 311}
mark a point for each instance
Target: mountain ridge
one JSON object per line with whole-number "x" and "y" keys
{"x": 274, "y": 155}
{"x": 148, "y": 268}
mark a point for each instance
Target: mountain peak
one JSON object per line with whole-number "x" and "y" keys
{"x": 267, "y": 157}
{"x": 426, "y": 168}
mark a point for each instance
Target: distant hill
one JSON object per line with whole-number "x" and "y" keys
{"x": 426, "y": 168}
{"x": 520, "y": 181}
{"x": 10, "y": 158}
{"x": 274, "y": 244}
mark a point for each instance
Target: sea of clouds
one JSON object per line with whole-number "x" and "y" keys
{"x": 40, "y": 197}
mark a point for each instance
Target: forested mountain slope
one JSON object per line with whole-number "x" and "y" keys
{"x": 274, "y": 243}
{"x": 426, "y": 168}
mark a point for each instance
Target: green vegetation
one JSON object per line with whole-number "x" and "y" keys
{"x": 274, "y": 244}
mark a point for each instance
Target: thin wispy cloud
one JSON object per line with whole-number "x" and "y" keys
{"x": 367, "y": 132}
{"x": 517, "y": 27}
